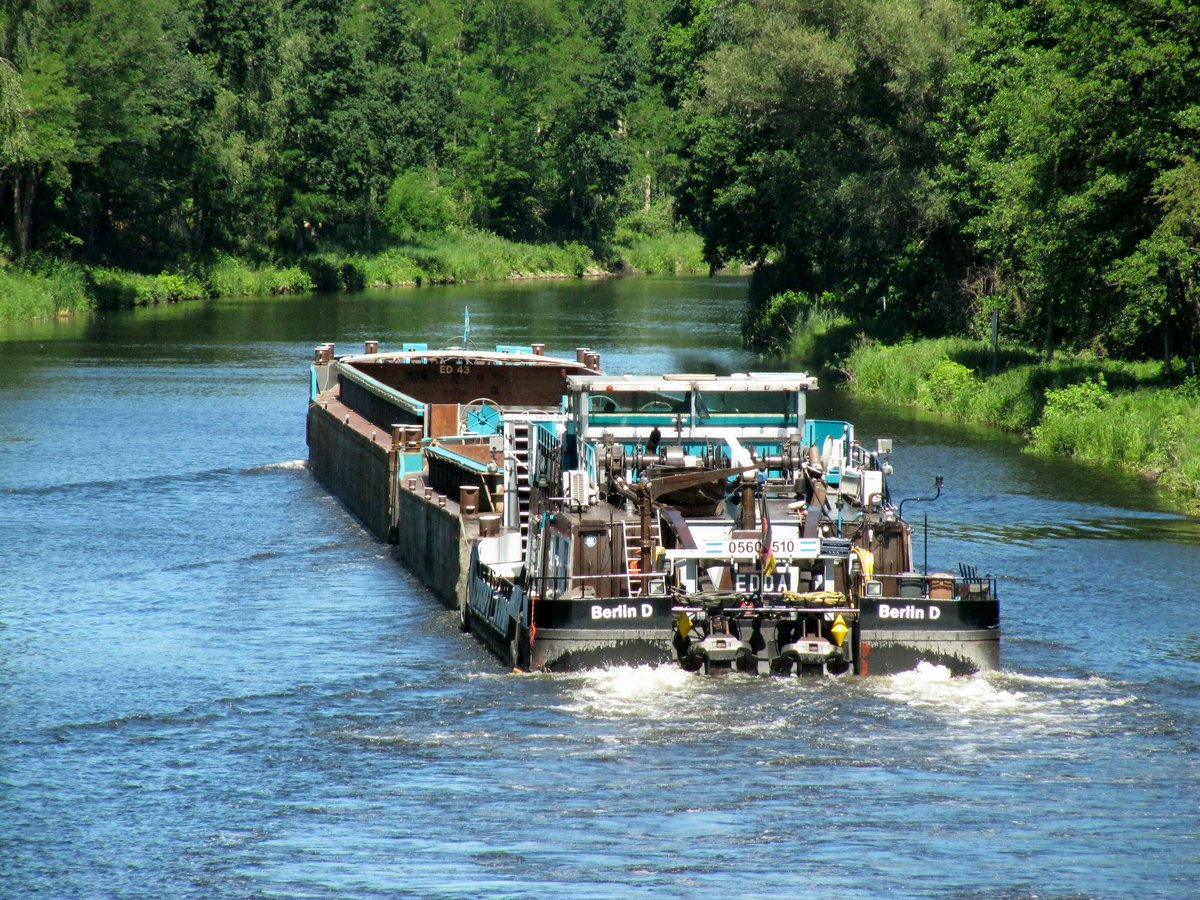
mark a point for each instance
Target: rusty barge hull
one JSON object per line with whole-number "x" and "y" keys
{"x": 374, "y": 427}
{"x": 428, "y": 535}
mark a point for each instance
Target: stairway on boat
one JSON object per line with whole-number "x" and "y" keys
{"x": 637, "y": 584}
{"x": 517, "y": 439}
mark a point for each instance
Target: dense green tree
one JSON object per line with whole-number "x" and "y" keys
{"x": 670, "y": 38}
{"x": 233, "y": 145}
{"x": 417, "y": 205}
{"x": 96, "y": 78}
{"x": 539, "y": 145}
{"x": 810, "y": 143}
{"x": 12, "y": 120}
{"x": 593, "y": 154}
{"x": 1065, "y": 122}
{"x": 519, "y": 78}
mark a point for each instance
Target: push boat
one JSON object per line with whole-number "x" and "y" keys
{"x": 578, "y": 519}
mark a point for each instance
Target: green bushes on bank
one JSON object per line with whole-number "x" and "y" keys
{"x": 44, "y": 289}
{"x": 1103, "y": 411}
{"x": 48, "y": 289}
{"x": 942, "y": 375}
{"x": 457, "y": 256}
{"x": 55, "y": 288}
{"x": 650, "y": 241}
{"x": 231, "y": 277}
{"x": 797, "y": 322}
{"x": 225, "y": 277}
{"x": 664, "y": 254}
{"x": 120, "y": 289}
{"x": 1155, "y": 431}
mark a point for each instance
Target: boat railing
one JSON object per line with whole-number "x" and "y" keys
{"x": 579, "y": 585}
{"x": 905, "y": 586}
{"x": 770, "y": 609}
{"x": 932, "y": 586}
{"x": 498, "y": 583}
{"x": 545, "y": 453}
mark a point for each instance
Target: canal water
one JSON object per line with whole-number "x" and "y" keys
{"x": 214, "y": 684}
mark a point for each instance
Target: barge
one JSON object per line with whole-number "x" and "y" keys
{"x": 578, "y": 519}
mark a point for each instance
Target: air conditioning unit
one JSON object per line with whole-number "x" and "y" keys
{"x": 576, "y": 486}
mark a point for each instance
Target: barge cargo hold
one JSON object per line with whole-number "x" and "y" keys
{"x": 577, "y": 519}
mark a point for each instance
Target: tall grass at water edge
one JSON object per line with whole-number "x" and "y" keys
{"x": 61, "y": 287}
{"x": 675, "y": 253}
{"x": 806, "y": 328}
{"x": 467, "y": 256}
{"x": 460, "y": 255}
{"x": 1155, "y": 431}
{"x": 54, "y": 289}
{"x": 650, "y": 241}
{"x": 1102, "y": 411}
{"x": 228, "y": 276}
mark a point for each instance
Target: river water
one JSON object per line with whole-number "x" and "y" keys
{"x": 213, "y": 683}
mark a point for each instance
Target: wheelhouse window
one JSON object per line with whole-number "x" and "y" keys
{"x": 781, "y": 405}
{"x": 629, "y": 402}
{"x": 749, "y": 407}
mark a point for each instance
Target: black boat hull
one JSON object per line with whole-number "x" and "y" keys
{"x": 897, "y": 634}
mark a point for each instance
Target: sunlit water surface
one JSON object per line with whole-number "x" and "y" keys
{"x": 213, "y": 683}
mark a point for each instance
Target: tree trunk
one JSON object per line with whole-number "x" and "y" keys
{"x": 16, "y": 198}
{"x": 1049, "y": 331}
{"x": 24, "y": 190}
{"x": 1191, "y": 295}
{"x": 368, "y": 205}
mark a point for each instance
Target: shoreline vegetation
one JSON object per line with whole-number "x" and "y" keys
{"x": 1142, "y": 417}
{"x": 43, "y": 287}
{"x": 1131, "y": 415}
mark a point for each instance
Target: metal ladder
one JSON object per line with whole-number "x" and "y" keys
{"x": 518, "y": 447}
{"x": 656, "y": 584}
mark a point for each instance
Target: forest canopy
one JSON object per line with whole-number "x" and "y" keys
{"x": 937, "y": 158}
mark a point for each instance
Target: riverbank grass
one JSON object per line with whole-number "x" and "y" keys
{"x": 52, "y": 289}
{"x": 450, "y": 258}
{"x": 456, "y": 256}
{"x": 1126, "y": 414}
{"x": 650, "y": 241}
{"x": 1155, "y": 431}
{"x": 227, "y": 276}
